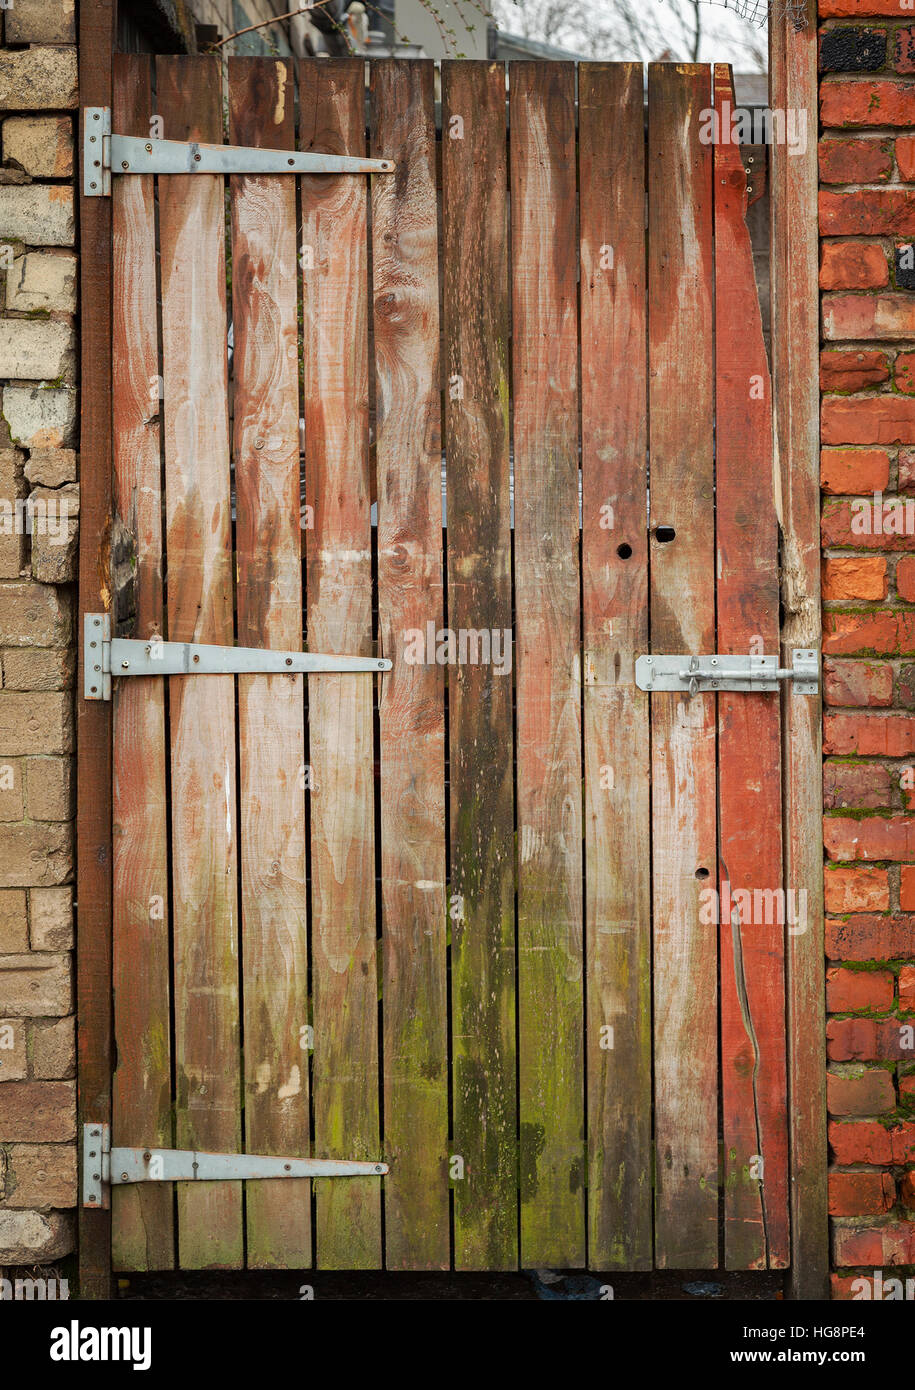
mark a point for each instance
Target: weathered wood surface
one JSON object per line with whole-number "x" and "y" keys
{"x": 271, "y": 724}
{"x": 752, "y": 926}
{"x": 142, "y": 1232}
{"x": 333, "y": 255}
{"x": 681, "y": 381}
{"x": 412, "y": 703}
{"x": 550, "y": 909}
{"x": 482, "y": 858}
{"x": 795, "y": 350}
{"x": 615, "y": 630}
{"x": 566, "y": 1027}
{"x": 202, "y": 711}
{"x": 97, "y": 21}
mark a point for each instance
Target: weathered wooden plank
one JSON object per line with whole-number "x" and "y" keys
{"x": 97, "y": 19}
{"x": 795, "y": 347}
{"x": 615, "y": 625}
{"x": 271, "y": 728}
{"x": 412, "y": 705}
{"x": 142, "y": 1215}
{"x": 751, "y": 914}
{"x": 682, "y": 568}
{"x": 476, "y": 332}
{"x": 345, "y": 985}
{"x": 202, "y": 711}
{"x": 550, "y": 927}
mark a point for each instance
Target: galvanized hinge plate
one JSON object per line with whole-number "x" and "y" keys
{"x": 106, "y": 153}
{"x": 107, "y": 656}
{"x": 695, "y": 674}
{"x": 105, "y": 1167}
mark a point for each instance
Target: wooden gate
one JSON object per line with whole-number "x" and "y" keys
{"x": 462, "y": 917}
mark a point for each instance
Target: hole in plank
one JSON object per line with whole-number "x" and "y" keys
{"x": 702, "y": 873}
{"x": 624, "y": 551}
{"x": 664, "y": 534}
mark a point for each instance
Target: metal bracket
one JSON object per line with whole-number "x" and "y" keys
{"x": 106, "y": 656}
{"x": 105, "y": 153}
{"x": 105, "y": 1167}
{"x": 695, "y": 674}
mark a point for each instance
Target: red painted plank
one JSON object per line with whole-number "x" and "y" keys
{"x": 752, "y": 927}
{"x": 412, "y": 703}
{"x": 611, "y": 123}
{"x": 345, "y": 982}
{"x": 201, "y": 709}
{"x": 271, "y": 725}
{"x": 549, "y": 783}
{"x": 142, "y": 1215}
{"x": 681, "y": 406}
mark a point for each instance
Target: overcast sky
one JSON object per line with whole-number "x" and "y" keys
{"x": 641, "y": 29}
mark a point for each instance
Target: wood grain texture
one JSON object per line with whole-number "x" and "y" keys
{"x": 615, "y": 626}
{"x": 550, "y": 908}
{"x": 202, "y": 711}
{"x": 682, "y": 570}
{"x": 142, "y": 1215}
{"x": 751, "y": 912}
{"x": 97, "y": 20}
{"x": 795, "y": 347}
{"x": 345, "y": 985}
{"x": 271, "y": 725}
{"x": 476, "y": 335}
{"x": 412, "y": 704}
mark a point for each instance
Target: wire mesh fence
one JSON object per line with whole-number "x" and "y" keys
{"x": 761, "y": 11}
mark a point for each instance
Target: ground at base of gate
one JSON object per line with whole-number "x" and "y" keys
{"x": 665, "y": 1286}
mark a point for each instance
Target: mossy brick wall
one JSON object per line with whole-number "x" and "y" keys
{"x": 867, "y": 279}
{"x": 39, "y": 500}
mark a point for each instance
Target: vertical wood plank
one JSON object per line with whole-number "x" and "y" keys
{"x": 752, "y": 925}
{"x": 615, "y": 623}
{"x": 97, "y": 19}
{"x": 682, "y": 569}
{"x": 345, "y": 986}
{"x": 412, "y": 706}
{"x": 550, "y": 948}
{"x": 142, "y": 1214}
{"x": 202, "y": 711}
{"x": 476, "y": 335}
{"x": 795, "y": 348}
{"x": 271, "y": 730}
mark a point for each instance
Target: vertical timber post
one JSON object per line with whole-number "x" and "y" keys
{"x": 795, "y": 351}
{"x": 93, "y": 827}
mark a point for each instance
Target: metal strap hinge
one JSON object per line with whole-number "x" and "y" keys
{"x": 105, "y": 153}
{"x": 105, "y": 656}
{"x": 695, "y": 674}
{"x": 105, "y": 1167}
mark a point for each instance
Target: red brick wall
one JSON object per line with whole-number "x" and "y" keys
{"x": 867, "y": 219}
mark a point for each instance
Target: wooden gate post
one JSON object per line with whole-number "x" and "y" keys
{"x": 795, "y": 344}
{"x": 93, "y": 854}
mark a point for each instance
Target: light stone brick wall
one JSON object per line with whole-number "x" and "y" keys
{"x": 38, "y": 472}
